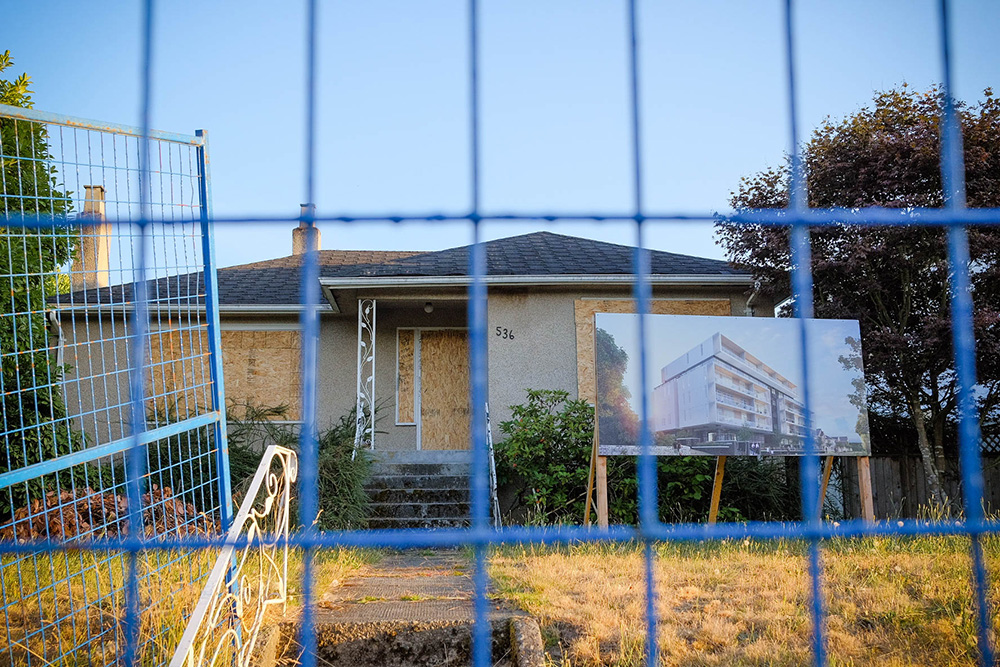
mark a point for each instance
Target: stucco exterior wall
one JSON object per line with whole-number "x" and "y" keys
{"x": 96, "y": 350}
{"x": 338, "y": 359}
{"x": 96, "y": 384}
{"x": 261, "y": 364}
{"x": 543, "y": 352}
{"x": 532, "y": 338}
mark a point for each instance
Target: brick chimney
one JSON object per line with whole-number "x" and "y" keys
{"x": 90, "y": 265}
{"x": 306, "y": 236}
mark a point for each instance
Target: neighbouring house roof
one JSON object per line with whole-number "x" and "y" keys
{"x": 540, "y": 257}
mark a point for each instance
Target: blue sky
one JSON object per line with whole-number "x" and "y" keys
{"x": 392, "y": 105}
{"x": 774, "y": 341}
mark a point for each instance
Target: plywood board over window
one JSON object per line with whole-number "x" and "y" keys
{"x": 177, "y": 375}
{"x": 587, "y": 308}
{"x": 405, "y": 376}
{"x": 262, "y": 367}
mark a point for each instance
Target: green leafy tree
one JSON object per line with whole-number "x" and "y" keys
{"x": 894, "y": 280}
{"x": 34, "y": 411}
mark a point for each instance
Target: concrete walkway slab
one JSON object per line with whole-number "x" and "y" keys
{"x": 421, "y": 585}
{"x": 411, "y": 608}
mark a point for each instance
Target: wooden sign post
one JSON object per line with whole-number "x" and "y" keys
{"x": 865, "y": 489}
{"x": 598, "y": 478}
{"x": 602, "y": 491}
{"x": 720, "y": 471}
{"x": 827, "y": 469}
{"x": 590, "y": 480}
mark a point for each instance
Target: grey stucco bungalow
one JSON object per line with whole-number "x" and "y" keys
{"x": 393, "y": 328}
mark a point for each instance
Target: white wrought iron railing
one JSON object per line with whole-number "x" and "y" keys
{"x": 494, "y": 491}
{"x": 246, "y": 583}
{"x": 364, "y": 411}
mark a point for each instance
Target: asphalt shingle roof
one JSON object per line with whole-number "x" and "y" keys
{"x": 277, "y": 281}
{"x": 540, "y": 254}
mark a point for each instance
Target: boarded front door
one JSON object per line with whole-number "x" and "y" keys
{"x": 444, "y": 389}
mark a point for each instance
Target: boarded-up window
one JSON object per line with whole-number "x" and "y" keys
{"x": 262, "y": 367}
{"x": 178, "y": 378}
{"x": 405, "y": 370}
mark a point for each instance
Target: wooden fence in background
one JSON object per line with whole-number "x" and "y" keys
{"x": 899, "y": 485}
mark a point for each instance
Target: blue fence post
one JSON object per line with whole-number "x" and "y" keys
{"x": 964, "y": 341}
{"x": 800, "y": 251}
{"x": 213, "y": 333}
{"x": 218, "y": 393}
{"x": 309, "y": 298}
{"x": 137, "y": 426}
{"x": 477, "y": 315}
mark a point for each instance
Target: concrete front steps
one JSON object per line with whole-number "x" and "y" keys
{"x": 411, "y": 609}
{"x": 421, "y": 489}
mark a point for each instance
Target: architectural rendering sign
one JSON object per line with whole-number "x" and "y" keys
{"x": 730, "y": 386}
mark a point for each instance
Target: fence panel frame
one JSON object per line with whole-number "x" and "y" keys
{"x": 138, "y": 317}
{"x": 798, "y": 216}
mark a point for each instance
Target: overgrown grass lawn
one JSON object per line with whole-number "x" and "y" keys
{"x": 901, "y": 601}
{"x": 68, "y": 608}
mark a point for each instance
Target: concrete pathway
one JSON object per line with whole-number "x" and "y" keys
{"x": 411, "y": 608}
{"x": 423, "y": 585}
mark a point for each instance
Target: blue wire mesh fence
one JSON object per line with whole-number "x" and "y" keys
{"x": 71, "y": 260}
{"x": 192, "y": 402}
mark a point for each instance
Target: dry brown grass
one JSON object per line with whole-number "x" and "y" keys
{"x": 67, "y": 608}
{"x": 890, "y": 601}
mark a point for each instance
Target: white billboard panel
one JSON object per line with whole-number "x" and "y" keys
{"x": 730, "y": 386}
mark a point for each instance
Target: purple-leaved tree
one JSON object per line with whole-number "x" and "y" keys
{"x": 894, "y": 280}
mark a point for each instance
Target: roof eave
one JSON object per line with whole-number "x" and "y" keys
{"x": 381, "y": 282}
{"x": 224, "y": 309}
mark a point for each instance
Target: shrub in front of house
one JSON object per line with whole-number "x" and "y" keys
{"x": 341, "y": 475}
{"x": 544, "y": 461}
{"x": 543, "y": 464}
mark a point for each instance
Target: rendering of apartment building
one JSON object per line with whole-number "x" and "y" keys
{"x": 720, "y": 397}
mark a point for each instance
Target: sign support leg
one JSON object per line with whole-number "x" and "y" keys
{"x": 602, "y": 492}
{"x": 827, "y": 470}
{"x": 590, "y": 482}
{"x": 720, "y": 471}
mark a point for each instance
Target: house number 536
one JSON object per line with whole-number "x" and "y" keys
{"x": 506, "y": 334}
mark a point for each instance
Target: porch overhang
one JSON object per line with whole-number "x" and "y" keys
{"x": 686, "y": 280}
{"x": 330, "y": 285}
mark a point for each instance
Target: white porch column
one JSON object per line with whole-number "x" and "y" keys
{"x": 364, "y": 425}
